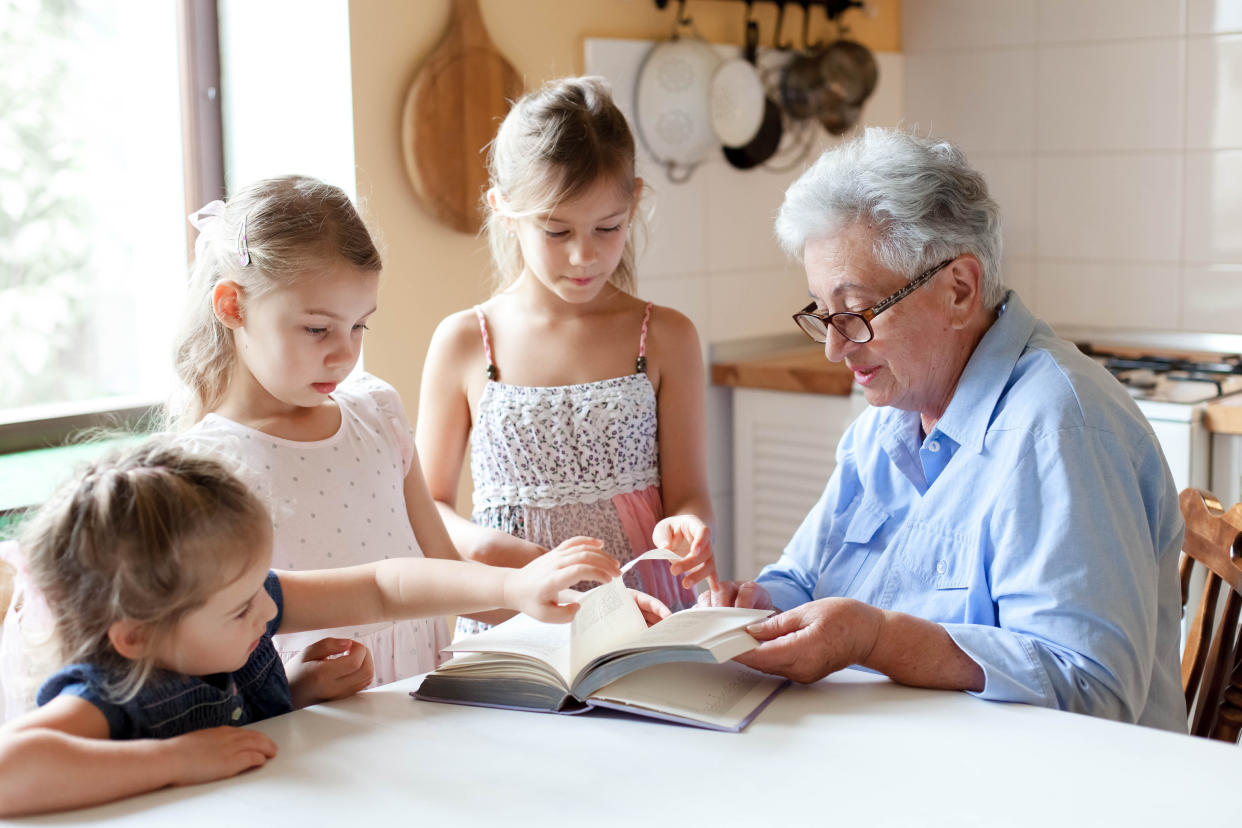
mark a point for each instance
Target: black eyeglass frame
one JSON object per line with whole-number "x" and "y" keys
{"x": 827, "y": 319}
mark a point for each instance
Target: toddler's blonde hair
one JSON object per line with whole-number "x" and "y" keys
{"x": 147, "y": 534}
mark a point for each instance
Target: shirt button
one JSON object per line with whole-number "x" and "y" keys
{"x": 236, "y": 713}
{"x": 941, "y": 567}
{"x": 934, "y": 446}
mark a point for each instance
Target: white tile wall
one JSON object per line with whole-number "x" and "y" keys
{"x": 949, "y": 24}
{"x": 1214, "y": 206}
{"x": 1109, "y": 207}
{"x": 1111, "y": 134}
{"x": 1214, "y": 16}
{"x": 1214, "y": 92}
{"x": 1073, "y": 20}
{"x": 1110, "y": 96}
{"x": 984, "y": 98}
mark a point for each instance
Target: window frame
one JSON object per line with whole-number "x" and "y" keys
{"x": 202, "y": 140}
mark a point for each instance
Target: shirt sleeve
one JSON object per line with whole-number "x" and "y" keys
{"x": 395, "y": 420}
{"x": 81, "y": 680}
{"x": 1080, "y": 542}
{"x": 272, "y": 585}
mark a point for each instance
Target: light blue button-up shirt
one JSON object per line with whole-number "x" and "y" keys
{"x": 1037, "y": 522}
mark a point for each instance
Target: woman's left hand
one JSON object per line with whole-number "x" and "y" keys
{"x": 690, "y": 538}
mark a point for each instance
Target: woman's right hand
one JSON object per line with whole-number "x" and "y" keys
{"x": 541, "y": 589}
{"x": 217, "y": 753}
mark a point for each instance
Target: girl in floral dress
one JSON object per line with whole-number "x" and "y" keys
{"x": 582, "y": 405}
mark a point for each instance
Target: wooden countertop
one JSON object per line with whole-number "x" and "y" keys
{"x": 801, "y": 368}
{"x": 1224, "y": 417}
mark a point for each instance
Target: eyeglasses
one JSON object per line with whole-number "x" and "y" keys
{"x": 856, "y": 325}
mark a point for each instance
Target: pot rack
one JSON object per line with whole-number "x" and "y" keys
{"x": 833, "y": 9}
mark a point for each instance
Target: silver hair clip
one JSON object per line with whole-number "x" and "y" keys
{"x": 243, "y": 248}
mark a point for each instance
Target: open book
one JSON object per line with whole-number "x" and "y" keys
{"x": 608, "y": 657}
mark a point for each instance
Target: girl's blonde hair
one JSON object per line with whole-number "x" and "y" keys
{"x": 555, "y": 144}
{"x": 146, "y": 534}
{"x": 264, "y": 238}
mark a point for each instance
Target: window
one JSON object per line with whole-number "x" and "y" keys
{"x": 95, "y": 178}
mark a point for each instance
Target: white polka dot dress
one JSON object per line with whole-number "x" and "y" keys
{"x": 339, "y": 502}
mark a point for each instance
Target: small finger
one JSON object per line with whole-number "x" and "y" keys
{"x": 586, "y": 572}
{"x": 325, "y": 647}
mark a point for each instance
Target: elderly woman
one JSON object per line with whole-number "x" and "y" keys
{"x": 1001, "y": 519}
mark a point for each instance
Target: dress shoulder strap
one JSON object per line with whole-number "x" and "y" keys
{"x": 640, "y": 365}
{"x": 492, "y": 372}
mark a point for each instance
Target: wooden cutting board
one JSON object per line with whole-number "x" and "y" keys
{"x": 452, "y": 110}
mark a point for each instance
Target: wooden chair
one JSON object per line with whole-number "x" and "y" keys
{"x": 1212, "y": 660}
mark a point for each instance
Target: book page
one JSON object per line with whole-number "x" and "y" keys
{"x": 725, "y": 695}
{"x": 698, "y": 625}
{"x": 607, "y": 619}
{"x": 524, "y": 635}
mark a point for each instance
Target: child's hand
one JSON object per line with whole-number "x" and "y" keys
{"x": 748, "y": 595}
{"x": 653, "y": 609}
{"x": 217, "y": 753}
{"x": 690, "y": 538}
{"x": 331, "y": 668}
{"x": 541, "y": 588}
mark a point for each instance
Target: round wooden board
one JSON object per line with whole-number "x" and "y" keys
{"x": 452, "y": 111}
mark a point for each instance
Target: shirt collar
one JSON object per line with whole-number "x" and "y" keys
{"x": 986, "y": 374}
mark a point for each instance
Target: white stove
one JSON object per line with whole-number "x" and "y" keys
{"x": 1172, "y": 377}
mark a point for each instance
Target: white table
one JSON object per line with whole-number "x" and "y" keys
{"x": 852, "y": 750}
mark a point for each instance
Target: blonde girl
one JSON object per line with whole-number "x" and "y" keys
{"x": 582, "y": 405}
{"x": 156, "y": 565}
{"x": 285, "y": 279}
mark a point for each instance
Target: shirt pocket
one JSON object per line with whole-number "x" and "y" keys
{"x": 860, "y": 539}
{"x": 935, "y": 571}
{"x": 937, "y": 557}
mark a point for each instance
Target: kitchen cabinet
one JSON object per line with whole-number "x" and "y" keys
{"x": 784, "y": 450}
{"x": 790, "y": 408}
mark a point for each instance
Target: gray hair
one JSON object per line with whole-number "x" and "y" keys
{"x": 922, "y": 201}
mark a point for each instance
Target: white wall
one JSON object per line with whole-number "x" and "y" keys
{"x": 1111, "y": 133}
{"x": 712, "y": 253}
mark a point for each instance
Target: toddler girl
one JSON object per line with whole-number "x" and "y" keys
{"x": 582, "y": 405}
{"x": 155, "y": 564}
{"x": 285, "y": 277}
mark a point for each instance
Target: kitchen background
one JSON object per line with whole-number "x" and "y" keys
{"x": 1110, "y": 131}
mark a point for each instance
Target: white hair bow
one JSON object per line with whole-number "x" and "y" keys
{"x": 204, "y": 217}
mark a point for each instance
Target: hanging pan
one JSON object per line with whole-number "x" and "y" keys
{"x": 767, "y": 138}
